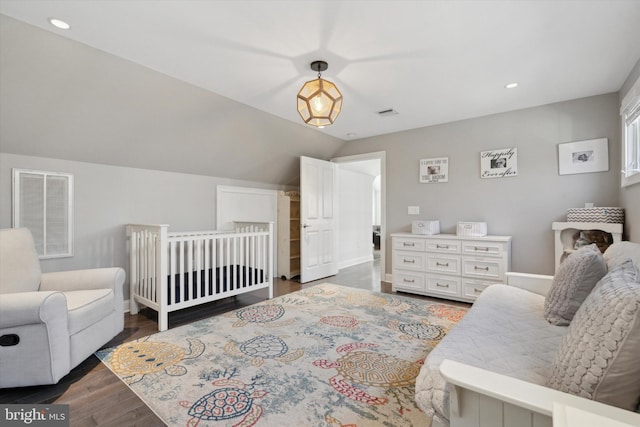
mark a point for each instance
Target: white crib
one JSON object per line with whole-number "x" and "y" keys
{"x": 169, "y": 271}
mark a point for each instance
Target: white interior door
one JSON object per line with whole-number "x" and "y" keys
{"x": 318, "y": 202}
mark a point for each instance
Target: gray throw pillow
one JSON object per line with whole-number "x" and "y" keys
{"x": 573, "y": 281}
{"x": 598, "y": 358}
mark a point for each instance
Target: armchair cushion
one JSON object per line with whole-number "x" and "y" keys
{"x": 573, "y": 281}
{"x": 598, "y": 358}
{"x": 20, "y": 270}
{"x": 88, "y": 307}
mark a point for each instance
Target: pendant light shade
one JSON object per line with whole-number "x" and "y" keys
{"x": 319, "y": 101}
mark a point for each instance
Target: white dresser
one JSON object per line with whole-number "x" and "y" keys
{"x": 447, "y": 265}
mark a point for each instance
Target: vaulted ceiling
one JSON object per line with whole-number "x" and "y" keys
{"x": 431, "y": 61}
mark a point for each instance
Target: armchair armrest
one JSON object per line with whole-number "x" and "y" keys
{"x": 528, "y": 396}
{"x": 40, "y": 353}
{"x": 27, "y": 308}
{"x": 536, "y": 283}
{"x": 95, "y": 278}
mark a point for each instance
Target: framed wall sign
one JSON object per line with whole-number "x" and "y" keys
{"x": 434, "y": 170}
{"x": 591, "y": 155}
{"x": 499, "y": 163}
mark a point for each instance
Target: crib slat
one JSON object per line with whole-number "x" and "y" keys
{"x": 252, "y": 262}
{"x": 190, "y": 254}
{"x": 214, "y": 266}
{"x": 235, "y": 263}
{"x": 207, "y": 243}
{"x": 181, "y": 269}
{"x": 171, "y": 297}
{"x": 230, "y": 266}
{"x": 263, "y": 252}
{"x": 240, "y": 265}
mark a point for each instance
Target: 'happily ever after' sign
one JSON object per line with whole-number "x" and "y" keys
{"x": 499, "y": 163}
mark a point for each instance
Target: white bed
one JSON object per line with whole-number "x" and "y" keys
{"x": 169, "y": 271}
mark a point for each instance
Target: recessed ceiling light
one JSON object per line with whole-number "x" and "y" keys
{"x": 351, "y": 135}
{"x": 58, "y": 23}
{"x": 511, "y": 85}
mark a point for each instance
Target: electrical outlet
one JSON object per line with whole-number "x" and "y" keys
{"x": 413, "y": 210}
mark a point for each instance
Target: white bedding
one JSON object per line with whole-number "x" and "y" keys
{"x": 504, "y": 332}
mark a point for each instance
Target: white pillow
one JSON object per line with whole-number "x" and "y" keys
{"x": 599, "y": 356}
{"x": 573, "y": 281}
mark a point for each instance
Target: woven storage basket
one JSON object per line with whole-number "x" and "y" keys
{"x": 425, "y": 227}
{"x": 606, "y": 215}
{"x": 471, "y": 229}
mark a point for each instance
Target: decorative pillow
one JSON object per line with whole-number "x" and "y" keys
{"x": 598, "y": 358}
{"x": 619, "y": 252}
{"x": 573, "y": 281}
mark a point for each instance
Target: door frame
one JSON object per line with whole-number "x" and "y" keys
{"x": 376, "y": 155}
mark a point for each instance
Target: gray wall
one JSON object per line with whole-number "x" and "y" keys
{"x": 630, "y": 196}
{"x": 523, "y": 206}
{"x": 108, "y": 197}
{"x": 65, "y": 100}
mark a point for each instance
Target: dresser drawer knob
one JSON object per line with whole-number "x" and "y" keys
{"x": 476, "y": 290}
{"x": 475, "y": 267}
{"x": 409, "y": 281}
{"x": 442, "y": 265}
{"x": 441, "y": 286}
{"x": 478, "y": 248}
{"x": 442, "y": 246}
{"x": 408, "y": 244}
{"x": 409, "y": 261}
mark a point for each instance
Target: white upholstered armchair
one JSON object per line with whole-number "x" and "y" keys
{"x": 51, "y": 322}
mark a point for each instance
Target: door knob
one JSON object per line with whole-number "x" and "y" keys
{"x": 305, "y": 225}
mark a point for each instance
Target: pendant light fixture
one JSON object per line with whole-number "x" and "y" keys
{"x": 319, "y": 101}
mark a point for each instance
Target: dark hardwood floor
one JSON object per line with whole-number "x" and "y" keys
{"x": 96, "y": 397}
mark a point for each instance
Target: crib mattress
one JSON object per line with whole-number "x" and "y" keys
{"x": 220, "y": 279}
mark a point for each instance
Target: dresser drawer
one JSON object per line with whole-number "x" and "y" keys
{"x": 444, "y": 246}
{"x": 409, "y": 244}
{"x": 443, "y": 285}
{"x": 409, "y": 281}
{"x": 484, "y": 268}
{"x": 479, "y": 248}
{"x": 443, "y": 264}
{"x": 406, "y": 260}
{"x": 473, "y": 288}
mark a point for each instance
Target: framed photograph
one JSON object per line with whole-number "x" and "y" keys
{"x": 434, "y": 170}
{"x": 499, "y": 163}
{"x": 587, "y": 156}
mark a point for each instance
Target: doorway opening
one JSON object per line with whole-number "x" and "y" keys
{"x": 361, "y": 211}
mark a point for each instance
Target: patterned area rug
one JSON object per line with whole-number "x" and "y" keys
{"x": 324, "y": 356}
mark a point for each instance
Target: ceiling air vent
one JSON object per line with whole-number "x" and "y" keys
{"x": 387, "y": 113}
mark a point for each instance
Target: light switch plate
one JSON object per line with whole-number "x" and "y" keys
{"x": 413, "y": 210}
